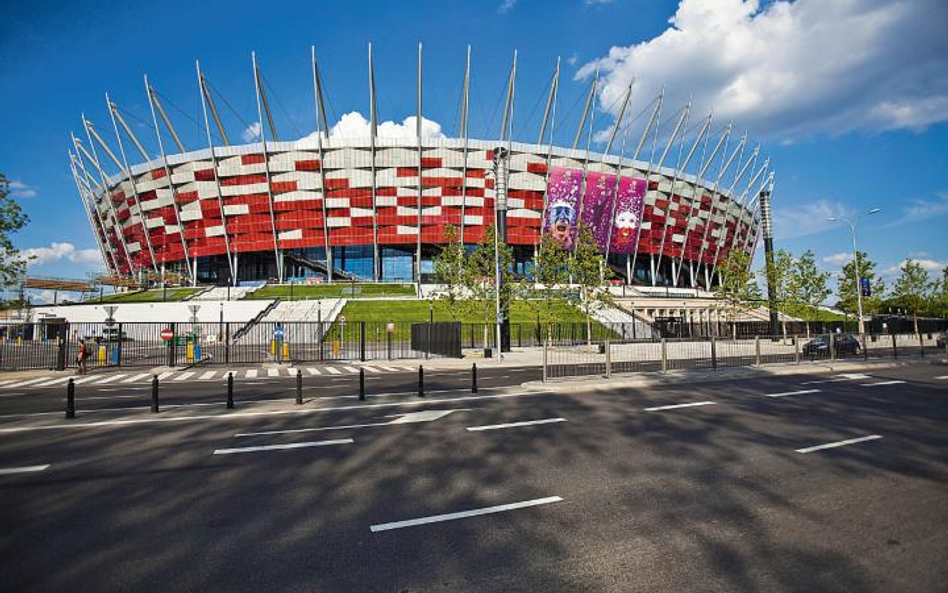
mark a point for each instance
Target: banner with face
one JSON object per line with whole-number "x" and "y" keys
{"x": 629, "y": 205}
{"x": 562, "y": 199}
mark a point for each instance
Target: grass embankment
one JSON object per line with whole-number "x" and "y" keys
{"x": 146, "y": 296}
{"x": 334, "y": 290}
{"x": 807, "y": 313}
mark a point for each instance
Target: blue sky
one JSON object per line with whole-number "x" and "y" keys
{"x": 848, "y": 98}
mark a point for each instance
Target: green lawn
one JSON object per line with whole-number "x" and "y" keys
{"x": 334, "y": 290}
{"x": 417, "y": 310}
{"x": 814, "y": 314}
{"x": 146, "y": 296}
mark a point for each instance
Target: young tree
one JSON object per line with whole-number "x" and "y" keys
{"x": 550, "y": 274}
{"x": 737, "y": 287}
{"x": 939, "y": 291}
{"x": 479, "y": 280}
{"x": 848, "y": 285}
{"x": 810, "y": 285}
{"x": 781, "y": 274}
{"x": 449, "y": 270}
{"x": 912, "y": 288}
{"x": 588, "y": 270}
{"x": 12, "y": 219}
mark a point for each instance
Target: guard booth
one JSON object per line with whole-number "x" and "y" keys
{"x": 672, "y": 327}
{"x": 442, "y": 338}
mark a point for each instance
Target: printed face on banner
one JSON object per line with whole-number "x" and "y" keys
{"x": 562, "y": 199}
{"x": 597, "y": 205}
{"x": 629, "y": 205}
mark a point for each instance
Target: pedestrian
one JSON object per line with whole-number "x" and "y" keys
{"x": 82, "y": 356}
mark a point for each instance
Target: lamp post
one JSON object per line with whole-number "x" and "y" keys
{"x": 858, "y": 269}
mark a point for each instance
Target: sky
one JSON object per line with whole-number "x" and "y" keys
{"x": 848, "y": 98}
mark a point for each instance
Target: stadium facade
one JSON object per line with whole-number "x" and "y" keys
{"x": 376, "y": 208}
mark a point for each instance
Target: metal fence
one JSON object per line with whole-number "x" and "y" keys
{"x": 605, "y": 357}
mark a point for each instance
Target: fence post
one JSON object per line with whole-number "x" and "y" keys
{"x": 796, "y": 349}
{"x": 299, "y": 387}
{"x": 230, "y": 391}
{"x": 664, "y": 356}
{"x": 388, "y": 335}
{"x": 227, "y": 343}
{"x": 362, "y": 341}
{"x": 173, "y": 346}
{"x": 154, "y": 394}
{"x": 71, "y": 399}
{"x": 118, "y": 361}
{"x": 865, "y": 348}
{"x": 421, "y": 381}
{"x": 832, "y": 346}
{"x": 714, "y": 354}
{"x": 757, "y": 351}
{"x": 545, "y": 358}
{"x": 474, "y": 378}
{"x": 608, "y": 359}
{"x": 895, "y": 349}
{"x": 361, "y": 384}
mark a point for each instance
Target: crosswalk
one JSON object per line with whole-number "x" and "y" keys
{"x": 126, "y": 378}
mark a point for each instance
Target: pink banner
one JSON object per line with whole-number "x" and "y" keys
{"x": 562, "y": 199}
{"x": 629, "y": 205}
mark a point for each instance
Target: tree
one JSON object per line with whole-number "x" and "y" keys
{"x": 479, "y": 279}
{"x": 939, "y": 292}
{"x": 737, "y": 287}
{"x": 810, "y": 286}
{"x": 848, "y": 284}
{"x": 588, "y": 270}
{"x": 550, "y": 274}
{"x": 912, "y": 288}
{"x": 782, "y": 277}
{"x": 449, "y": 269}
{"x": 12, "y": 219}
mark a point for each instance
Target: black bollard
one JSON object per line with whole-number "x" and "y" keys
{"x": 70, "y": 399}
{"x": 474, "y": 378}
{"x": 230, "y": 391}
{"x": 299, "y": 387}
{"x": 362, "y": 385}
{"x": 421, "y": 381}
{"x": 154, "y": 394}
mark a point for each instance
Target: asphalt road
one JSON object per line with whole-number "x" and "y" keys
{"x": 614, "y": 491}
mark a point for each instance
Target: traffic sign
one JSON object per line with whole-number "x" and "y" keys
{"x": 166, "y": 334}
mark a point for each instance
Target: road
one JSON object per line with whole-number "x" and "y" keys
{"x": 810, "y": 482}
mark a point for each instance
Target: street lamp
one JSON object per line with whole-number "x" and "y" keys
{"x": 852, "y": 227}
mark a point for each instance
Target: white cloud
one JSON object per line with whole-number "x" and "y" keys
{"x": 923, "y": 210}
{"x": 354, "y": 125}
{"x": 252, "y": 132}
{"x": 507, "y": 6}
{"x": 838, "y": 259}
{"x": 799, "y": 220}
{"x": 792, "y": 68}
{"x": 63, "y": 251}
{"x": 20, "y": 190}
{"x": 572, "y": 59}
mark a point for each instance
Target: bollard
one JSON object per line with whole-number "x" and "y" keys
{"x": 921, "y": 344}
{"x": 664, "y": 357}
{"x": 608, "y": 359}
{"x": 474, "y": 378}
{"x": 895, "y": 349}
{"x": 299, "y": 387}
{"x": 757, "y": 351}
{"x": 230, "y": 391}
{"x": 421, "y": 381}
{"x": 796, "y": 349}
{"x": 865, "y": 348}
{"x": 70, "y": 399}
{"x": 546, "y": 355}
{"x": 154, "y": 394}
{"x": 714, "y": 354}
{"x": 362, "y": 385}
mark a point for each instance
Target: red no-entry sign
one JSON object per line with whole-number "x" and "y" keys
{"x": 167, "y": 335}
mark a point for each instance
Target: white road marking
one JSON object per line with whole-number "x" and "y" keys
{"x": 515, "y": 424}
{"x": 136, "y": 378}
{"x": 788, "y": 393}
{"x": 250, "y": 374}
{"x": 871, "y": 437}
{"x": 243, "y": 414}
{"x": 838, "y": 378}
{"x": 283, "y": 446}
{"x": 675, "y": 406}
{"x": 165, "y": 375}
{"x": 7, "y": 382}
{"x": 881, "y": 383}
{"x": 52, "y": 382}
{"x": 942, "y": 377}
{"x": 408, "y": 418}
{"x": 371, "y": 369}
{"x": 110, "y": 379}
{"x": 333, "y": 371}
{"x": 273, "y": 372}
{"x": 31, "y": 381}
{"x": 207, "y": 375}
{"x": 351, "y": 369}
{"x": 184, "y": 376}
{"x": 464, "y": 514}
{"x": 5, "y": 471}
{"x": 313, "y": 371}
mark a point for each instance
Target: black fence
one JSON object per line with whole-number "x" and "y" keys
{"x": 676, "y": 328}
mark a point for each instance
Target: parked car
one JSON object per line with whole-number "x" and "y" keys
{"x": 942, "y": 339}
{"x": 842, "y": 343}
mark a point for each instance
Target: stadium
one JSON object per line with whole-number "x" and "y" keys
{"x": 328, "y": 207}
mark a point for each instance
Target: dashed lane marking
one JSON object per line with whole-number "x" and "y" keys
{"x": 789, "y": 393}
{"x": 515, "y": 424}
{"x": 833, "y": 445}
{"x": 676, "y": 406}
{"x": 464, "y": 514}
{"x": 5, "y": 471}
{"x": 283, "y": 447}
{"x": 880, "y": 383}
